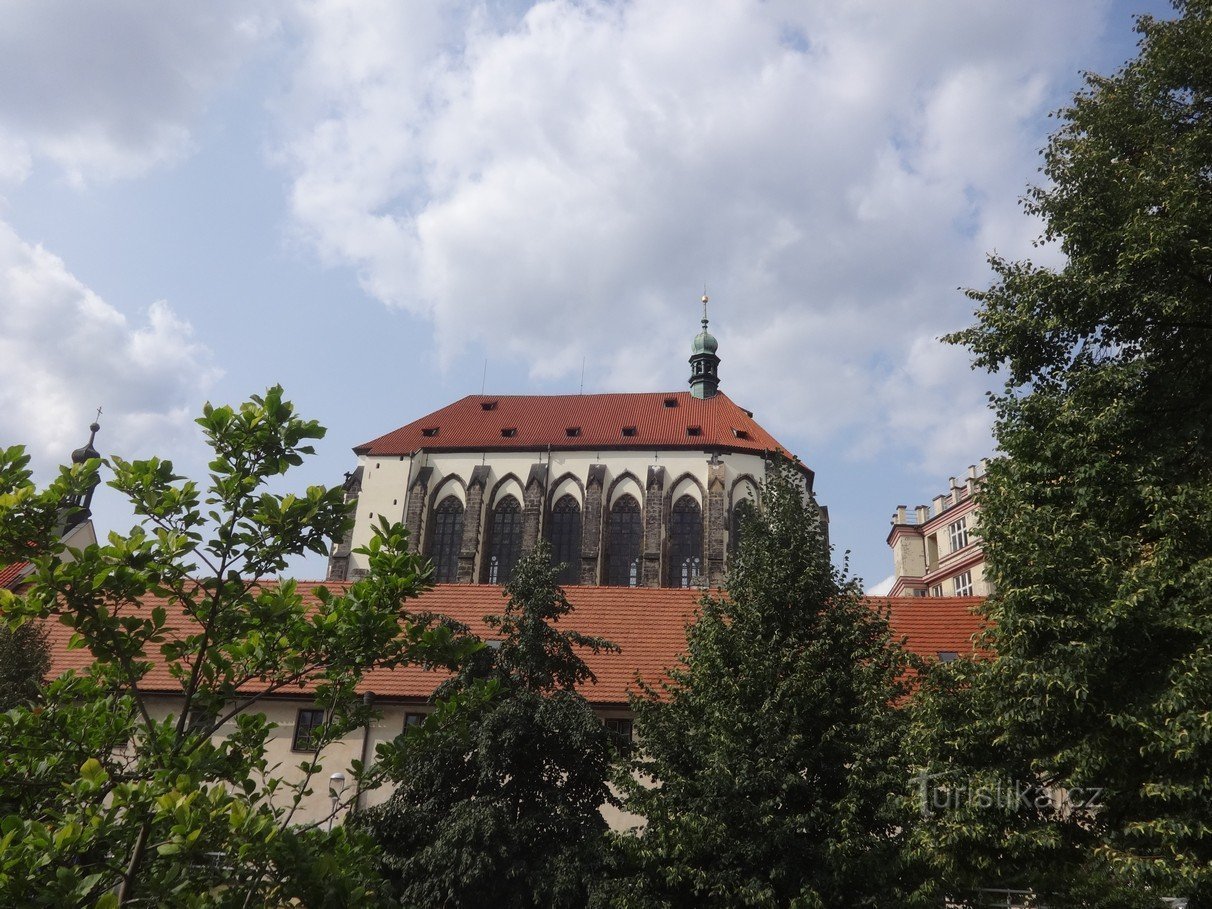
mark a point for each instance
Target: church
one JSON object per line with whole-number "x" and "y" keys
{"x": 631, "y": 490}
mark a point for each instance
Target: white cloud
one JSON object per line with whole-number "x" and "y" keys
{"x": 64, "y": 351}
{"x": 882, "y": 588}
{"x": 105, "y": 91}
{"x": 559, "y": 183}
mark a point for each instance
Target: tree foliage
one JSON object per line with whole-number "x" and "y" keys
{"x": 107, "y": 799}
{"x": 1095, "y": 521}
{"x": 775, "y": 743}
{"x": 497, "y": 804}
{"x": 24, "y": 662}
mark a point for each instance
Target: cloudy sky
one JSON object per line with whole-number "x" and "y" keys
{"x": 368, "y": 201}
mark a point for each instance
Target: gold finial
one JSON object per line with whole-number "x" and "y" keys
{"x": 704, "y": 308}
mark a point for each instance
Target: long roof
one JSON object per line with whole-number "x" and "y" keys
{"x": 648, "y": 625}
{"x": 567, "y": 422}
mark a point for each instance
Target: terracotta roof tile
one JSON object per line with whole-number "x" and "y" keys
{"x": 564, "y": 422}
{"x": 11, "y": 574}
{"x": 647, "y": 624}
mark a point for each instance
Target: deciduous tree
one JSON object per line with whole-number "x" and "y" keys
{"x": 498, "y": 803}
{"x": 1095, "y": 522}
{"x": 774, "y": 745}
{"x": 109, "y": 800}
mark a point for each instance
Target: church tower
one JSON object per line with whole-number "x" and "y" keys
{"x": 704, "y": 364}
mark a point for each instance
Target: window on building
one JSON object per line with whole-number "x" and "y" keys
{"x": 958, "y": 531}
{"x": 932, "y": 552}
{"x": 963, "y": 584}
{"x": 685, "y": 543}
{"x": 936, "y": 590}
{"x": 504, "y": 541}
{"x": 626, "y": 537}
{"x": 309, "y": 727}
{"x": 621, "y": 728}
{"x": 565, "y": 537}
{"x": 742, "y": 513}
{"x": 947, "y": 656}
{"x": 917, "y": 592}
{"x": 445, "y": 540}
{"x": 413, "y": 719}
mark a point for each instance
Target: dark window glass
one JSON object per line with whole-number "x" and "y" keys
{"x": 505, "y": 542}
{"x": 685, "y": 543}
{"x": 565, "y": 539}
{"x": 626, "y": 538}
{"x": 413, "y": 719}
{"x": 621, "y": 728}
{"x": 446, "y": 539}
{"x": 309, "y": 726}
{"x": 742, "y": 512}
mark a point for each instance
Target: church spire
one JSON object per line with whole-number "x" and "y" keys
{"x": 704, "y": 364}
{"x": 78, "y": 509}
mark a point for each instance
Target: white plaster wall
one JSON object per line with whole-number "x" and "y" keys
{"x": 338, "y": 757}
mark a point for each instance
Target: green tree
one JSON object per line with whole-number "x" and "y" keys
{"x": 1095, "y": 523}
{"x": 24, "y": 662}
{"x": 498, "y": 804}
{"x": 775, "y": 743}
{"x": 106, "y": 799}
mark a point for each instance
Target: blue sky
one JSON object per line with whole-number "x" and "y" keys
{"x": 367, "y": 201}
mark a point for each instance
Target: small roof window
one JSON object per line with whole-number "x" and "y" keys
{"x": 671, "y": 402}
{"x": 509, "y": 432}
{"x": 572, "y": 431}
{"x": 488, "y": 405}
{"x": 741, "y": 433}
{"x": 694, "y": 430}
{"x": 629, "y": 431}
{"x": 947, "y": 656}
{"x": 429, "y": 431}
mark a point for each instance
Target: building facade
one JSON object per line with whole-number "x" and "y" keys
{"x": 936, "y": 548}
{"x": 631, "y": 490}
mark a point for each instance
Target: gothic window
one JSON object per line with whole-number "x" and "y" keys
{"x": 742, "y": 512}
{"x": 565, "y": 538}
{"x": 445, "y": 540}
{"x": 626, "y": 539}
{"x": 685, "y": 543}
{"x": 504, "y": 541}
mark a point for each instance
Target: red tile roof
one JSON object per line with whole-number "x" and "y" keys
{"x": 566, "y": 422}
{"x": 649, "y": 626}
{"x": 11, "y": 574}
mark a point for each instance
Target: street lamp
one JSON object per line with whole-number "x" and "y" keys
{"x": 336, "y": 785}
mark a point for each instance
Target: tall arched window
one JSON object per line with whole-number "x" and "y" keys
{"x": 504, "y": 541}
{"x": 565, "y": 536}
{"x": 742, "y": 513}
{"x": 685, "y": 542}
{"x": 626, "y": 539}
{"x": 446, "y": 539}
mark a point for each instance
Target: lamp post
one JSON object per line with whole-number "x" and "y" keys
{"x": 336, "y": 785}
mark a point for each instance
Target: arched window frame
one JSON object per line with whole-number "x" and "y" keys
{"x": 685, "y": 542}
{"x": 625, "y": 545}
{"x": 504, "y": 541}
{"x": 446, "y": 539}
{"x": 564, "y": 533}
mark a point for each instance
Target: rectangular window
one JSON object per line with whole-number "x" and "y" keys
{"x": 936, "y": 591}
{"x": 947, "y": 656}
{"x": 932, "y": 552}
{"x": 620, "y": 728}
{"x": 963, "y": 584}
{"x": 413, "y": 719}
{"x": 309, "y": 726}
{"x": 959, "y": 534}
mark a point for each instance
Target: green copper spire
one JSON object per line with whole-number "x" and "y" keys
{"x": 704, "y": 364}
